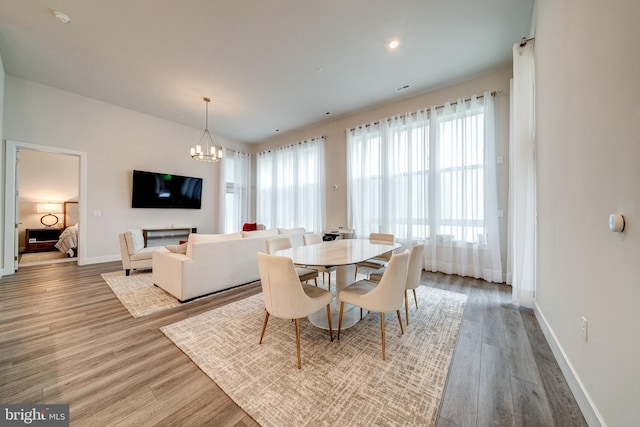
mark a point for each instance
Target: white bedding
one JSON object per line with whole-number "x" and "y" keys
{"x": 68, "y": 240}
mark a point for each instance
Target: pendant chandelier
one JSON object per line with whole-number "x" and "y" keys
{"x": 205, "y": 150}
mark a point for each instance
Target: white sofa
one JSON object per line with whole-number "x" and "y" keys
{"x": 214, "y": 262}
{"x": 134, "y": 253}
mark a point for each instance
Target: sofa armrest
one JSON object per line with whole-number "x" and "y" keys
{"x": 168, "y": 271}
{"x": 124, "y": 252}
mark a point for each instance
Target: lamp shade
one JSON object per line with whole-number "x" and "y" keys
{"x": 49, "y": 208}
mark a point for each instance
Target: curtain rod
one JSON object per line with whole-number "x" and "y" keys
{"x": 494, "y": 93}
{"x": 524, "y": 40}
{"x": 291, "y": 145}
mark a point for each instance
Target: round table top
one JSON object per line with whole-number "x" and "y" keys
{"x": 338, "y": 252}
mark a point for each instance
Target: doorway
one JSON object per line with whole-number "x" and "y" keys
{"x": 48, "y": 188}
{"x": 51, "y": 176}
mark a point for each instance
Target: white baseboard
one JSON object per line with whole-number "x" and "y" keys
{"x": 101, "y": 259}
{"x": 589, "y": 410}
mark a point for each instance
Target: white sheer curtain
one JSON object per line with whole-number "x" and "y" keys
{"x": 431, "y": 176}
{"x": 235, "y": 208}
{"x": 466, "y": 237}
{"x": 521, "y": 259}
{"x": 291, "y": 186}
{"x": 387, "y": 168}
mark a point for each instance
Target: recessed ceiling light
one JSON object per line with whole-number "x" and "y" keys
{"x": 394, "y": 44}
{"x": 61, "y": 17}
{"x": 401, "y": 88}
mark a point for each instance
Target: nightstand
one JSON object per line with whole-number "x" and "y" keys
{"x": 41, "y": 239}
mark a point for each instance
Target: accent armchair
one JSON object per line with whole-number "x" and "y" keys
{"x": 134, "y": 254}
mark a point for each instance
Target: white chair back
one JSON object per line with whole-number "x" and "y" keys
{"x": 312, "y": 238}
{"x": 382, "y": 237}
{"x": 277, "y": 243}
{"x": 389, "y": 293}
{"x": 283, "y": 293}
{"x": 414, "y": 271}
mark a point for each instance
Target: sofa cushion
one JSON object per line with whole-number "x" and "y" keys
{"x": 260, "y": 233}
{"x": 197, "y": 238}
{"x": 135, "y": 240}
{"x": 299, "y": 230}
{"x": 194, "y": 237}
{"x": 178, "y": 249}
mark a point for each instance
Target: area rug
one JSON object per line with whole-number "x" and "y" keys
{"x": 138, "y": 294}
{"x": 38, "y": 258}
{"x": 343, "y": 382}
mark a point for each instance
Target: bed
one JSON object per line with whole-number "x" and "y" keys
{"x": 68, "y": 241}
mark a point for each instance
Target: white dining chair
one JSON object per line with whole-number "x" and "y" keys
{"x": 379, "y": 297}
{"x": 380, "y": 260}
{"x": 313, "y": 239}
{"x": 285, "y": 297}
{"x": 283, "y": 242}
{"x": 414, "y": 274}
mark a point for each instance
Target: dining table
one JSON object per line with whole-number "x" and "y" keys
{"x": 344, "y": 254}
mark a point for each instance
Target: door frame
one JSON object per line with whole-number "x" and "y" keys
{"x": 10, "y": 222}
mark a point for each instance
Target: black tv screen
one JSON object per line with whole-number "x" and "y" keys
{"x": 162, "y": 190}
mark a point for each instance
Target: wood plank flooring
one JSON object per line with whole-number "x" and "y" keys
{"x": 65, "y": 338}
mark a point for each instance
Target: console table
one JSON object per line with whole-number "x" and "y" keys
{"x": 166, "y": 236}
{"x": 41, "y": 239}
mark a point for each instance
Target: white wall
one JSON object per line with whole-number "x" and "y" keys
{"x": 116, "y": 141}
{"x": 588, "y": 154}
{"x": 336, "y": 141}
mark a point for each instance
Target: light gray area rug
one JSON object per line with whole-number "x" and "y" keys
{"x": 138, "y": 294}
{"x": 341, "y": 383}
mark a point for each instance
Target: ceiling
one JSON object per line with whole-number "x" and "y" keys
{"x": 269, "y": 67}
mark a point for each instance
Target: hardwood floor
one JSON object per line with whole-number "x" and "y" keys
{"x": 65, "y": 338}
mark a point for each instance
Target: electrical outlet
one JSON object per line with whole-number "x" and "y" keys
{"x": 585, "y": 328}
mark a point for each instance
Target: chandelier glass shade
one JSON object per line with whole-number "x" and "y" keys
{"x": 206, "y": 150}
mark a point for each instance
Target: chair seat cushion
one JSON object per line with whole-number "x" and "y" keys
{"x": 147, "y": 253}
{"x": 321, "y": 268}
{"x": 352, "y": 294}
{"x": 376, "y": 275}
{"x": 306, "y": 273}
{"x": 373, "y": 263}
{"x": 316, "y": 292}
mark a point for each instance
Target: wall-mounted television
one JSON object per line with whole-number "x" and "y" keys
{"x": 163, "y": 190}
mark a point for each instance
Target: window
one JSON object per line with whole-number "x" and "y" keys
{"x": 461, "y": 178}
{"x": 291, "y": 185}
{"x": 431, "y": 176}
{"x": 237, "y": 190}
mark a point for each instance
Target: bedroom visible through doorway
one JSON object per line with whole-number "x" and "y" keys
{"x": 47, "y": 179}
